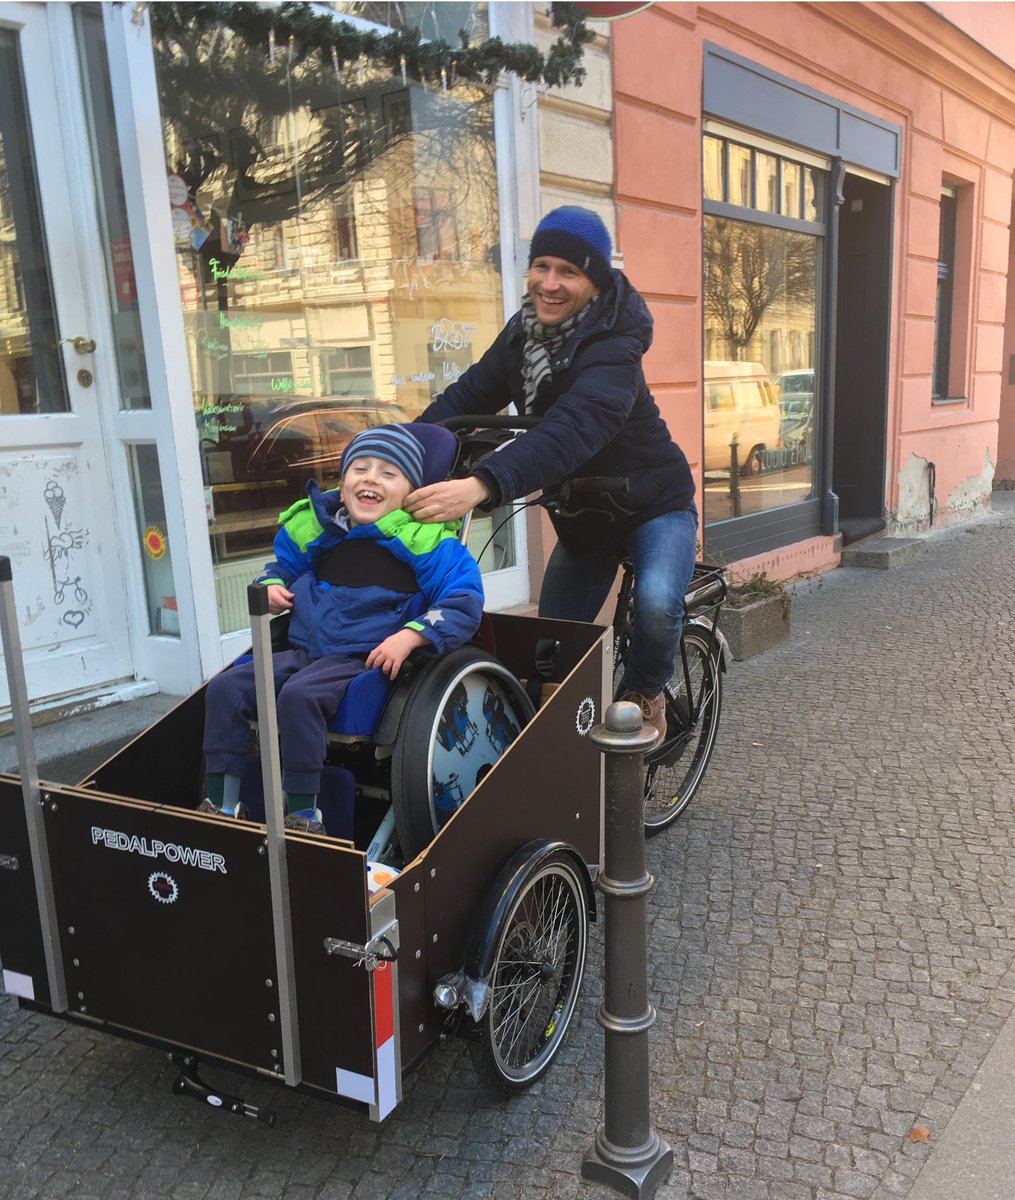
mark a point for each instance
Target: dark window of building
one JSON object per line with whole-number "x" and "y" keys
{"x": 944, "y": 312}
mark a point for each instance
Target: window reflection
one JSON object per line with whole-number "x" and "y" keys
{"x": 712, "y": 169}
{"x": 760, "y": 327}
{"x": 740, "y": 175}
{"x": 338, "y": 247}
{"x": 31, "y": 369}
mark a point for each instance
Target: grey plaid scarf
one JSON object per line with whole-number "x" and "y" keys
{"x": 542, "y": 342}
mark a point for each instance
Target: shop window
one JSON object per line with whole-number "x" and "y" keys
{"x": 762, "y": 280}
{"x": 337, "y": 246}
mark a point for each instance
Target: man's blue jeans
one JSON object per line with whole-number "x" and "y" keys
{"x": 663, "y": 552}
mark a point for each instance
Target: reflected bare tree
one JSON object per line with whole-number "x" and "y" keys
{"x": 749, "y": 269}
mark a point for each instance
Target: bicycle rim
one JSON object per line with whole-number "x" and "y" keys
{"x": 675, "y": 769}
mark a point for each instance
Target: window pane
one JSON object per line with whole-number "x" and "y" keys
{"x": 740, "y": 175}
{"x": 338, "y": 259}
{"x": 761, "y": 289}
{"x": 767, "y": 182}
{"x": 712, "y": 168}
{"x": 813, "y": 194}
{"x": 156, "y": 556}
{"x": 111, "y": 211}
{"x": 790, "y": 189}
{"x": 31, "y": 368}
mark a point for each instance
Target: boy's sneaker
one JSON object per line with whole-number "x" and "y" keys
{"x": 240, "y": 812}
{"x": 306, "y": 820}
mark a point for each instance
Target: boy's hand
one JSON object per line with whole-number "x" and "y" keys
{"x": 394, "y": 650}
{"x": 445, "y": 501}
{"x": 280, "y": 599}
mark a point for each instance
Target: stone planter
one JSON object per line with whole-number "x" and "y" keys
{"x": 757, "y": 626}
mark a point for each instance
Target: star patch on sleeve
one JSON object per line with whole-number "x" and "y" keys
{"x": 433, "y": 617}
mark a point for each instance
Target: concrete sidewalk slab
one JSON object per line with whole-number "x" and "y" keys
{"x": 975, "y": 1157}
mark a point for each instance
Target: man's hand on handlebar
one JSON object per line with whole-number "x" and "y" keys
{"x": 448, "y": 500}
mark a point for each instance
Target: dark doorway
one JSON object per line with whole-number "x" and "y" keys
{"x": 861, "y": 357}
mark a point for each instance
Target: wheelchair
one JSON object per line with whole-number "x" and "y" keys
{"x": 403, "y": 755}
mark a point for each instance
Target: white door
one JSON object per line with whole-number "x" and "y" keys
{"x": 57, "y": 519}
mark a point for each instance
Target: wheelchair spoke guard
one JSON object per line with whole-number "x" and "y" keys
{"x": 463, "y": 714}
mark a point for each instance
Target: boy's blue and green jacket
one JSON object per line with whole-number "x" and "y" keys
{"x": 356, "y": 586}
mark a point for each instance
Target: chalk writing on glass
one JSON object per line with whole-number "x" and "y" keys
{"x": 218, "y": 272}
{"x": 447, "y": 335}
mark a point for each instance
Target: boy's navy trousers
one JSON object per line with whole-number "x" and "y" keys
{"x": 308, "y": 693}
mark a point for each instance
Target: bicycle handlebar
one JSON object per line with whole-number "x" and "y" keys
{"x": 483, "y": 421}
{"x": 471, "y": 428}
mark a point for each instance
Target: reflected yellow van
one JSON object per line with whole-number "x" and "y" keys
{"x": 741, "y": 403}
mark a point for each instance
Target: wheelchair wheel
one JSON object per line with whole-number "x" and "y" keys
{"x": 460, "y": 716}
{"x": 537, "y": 974}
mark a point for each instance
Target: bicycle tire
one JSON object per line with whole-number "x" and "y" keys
{"x": 675, "y": 768}
{"x": 537, "y": 977}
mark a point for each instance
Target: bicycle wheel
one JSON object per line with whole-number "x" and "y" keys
{"x": 537, "y": 975}
{"x": 675, "y": 768}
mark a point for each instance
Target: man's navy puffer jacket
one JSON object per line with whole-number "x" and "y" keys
{"x": 599, "y": 418}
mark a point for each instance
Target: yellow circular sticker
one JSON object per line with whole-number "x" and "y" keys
{"x": 154, "y": 542}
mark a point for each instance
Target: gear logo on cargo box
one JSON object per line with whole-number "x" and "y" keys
{"x": 163, "y": 887}
{"x": 585, "y": 717}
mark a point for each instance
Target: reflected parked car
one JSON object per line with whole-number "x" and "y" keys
{"x": 260, "y": 442}
{"x": 740, "y": 403}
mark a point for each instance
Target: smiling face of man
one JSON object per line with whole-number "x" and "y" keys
{"x": 558, "y": 288}
{"x": 371, "y": 488}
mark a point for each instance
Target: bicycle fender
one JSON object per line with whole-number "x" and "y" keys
{"x": 497, "y": 904}
{"x": 706, "y": 627}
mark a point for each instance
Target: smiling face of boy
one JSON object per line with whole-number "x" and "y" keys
{"x": 371, "y": 488}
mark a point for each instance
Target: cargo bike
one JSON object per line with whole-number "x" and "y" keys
{"x": 451, "y": 892}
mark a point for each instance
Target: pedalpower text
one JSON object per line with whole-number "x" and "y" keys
{"x": 172, "y": 852}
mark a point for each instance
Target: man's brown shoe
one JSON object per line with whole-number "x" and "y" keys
{"x": 653, "y": 709}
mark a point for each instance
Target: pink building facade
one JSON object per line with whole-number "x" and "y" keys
{"x": 816, "y": 201}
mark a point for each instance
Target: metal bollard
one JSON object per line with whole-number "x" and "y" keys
{"x": 627, "y": 1155}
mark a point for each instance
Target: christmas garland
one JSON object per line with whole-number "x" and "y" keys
{"x": 298, "y": 31}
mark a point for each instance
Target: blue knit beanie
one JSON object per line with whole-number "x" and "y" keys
{"x": 579, "y": 236}
{"x": 391, "y": 443}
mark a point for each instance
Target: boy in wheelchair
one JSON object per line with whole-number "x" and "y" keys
{"x": 365, "y": 585}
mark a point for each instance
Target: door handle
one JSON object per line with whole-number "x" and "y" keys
{"x": 82, "y": 345}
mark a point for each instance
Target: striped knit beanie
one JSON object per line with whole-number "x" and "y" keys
{"x": 579, "y": 236}
{"x": 392, "y": 443}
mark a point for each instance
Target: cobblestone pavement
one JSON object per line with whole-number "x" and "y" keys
{"x": 832, "y": 954}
